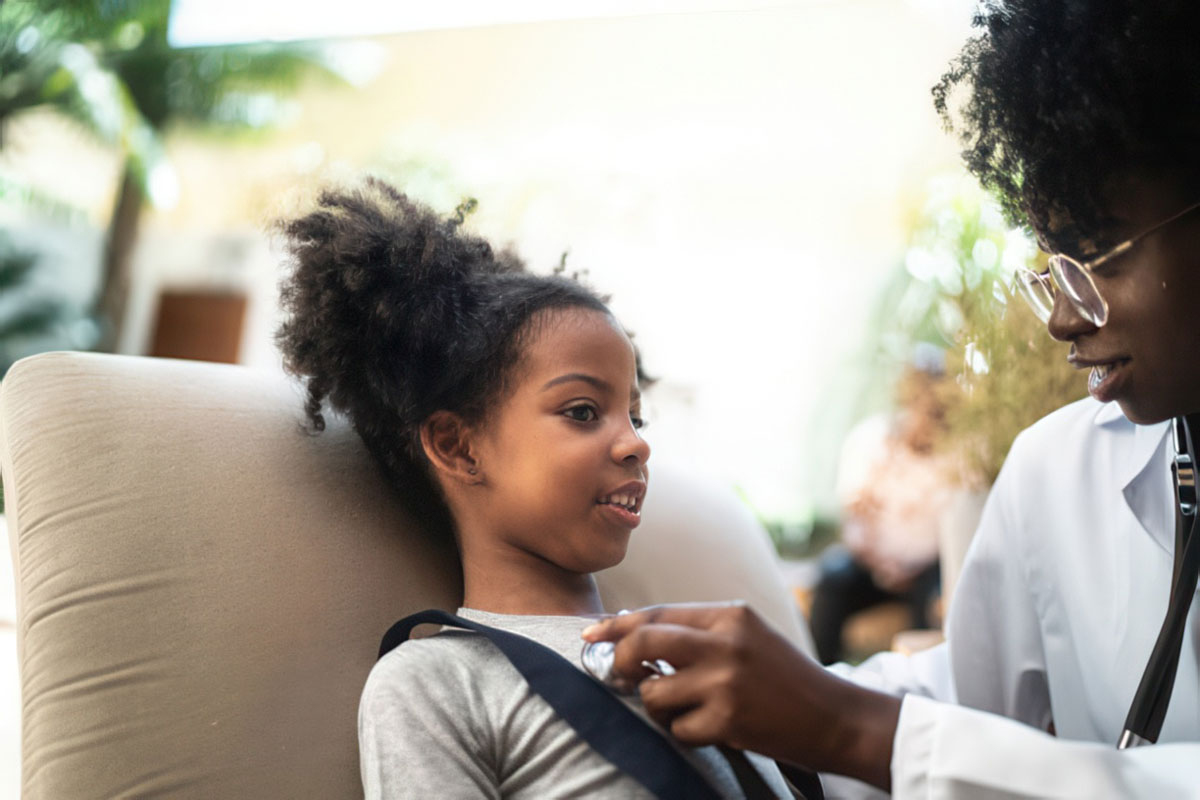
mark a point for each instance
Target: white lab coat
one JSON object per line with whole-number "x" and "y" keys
{"x": 1060, "y": 601}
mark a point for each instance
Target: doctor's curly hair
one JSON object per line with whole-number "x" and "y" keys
{"x": 1060, "y": 93}
{"x": 393, "y": 312}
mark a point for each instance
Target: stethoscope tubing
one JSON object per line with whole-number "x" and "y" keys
{"x": 1144, "y": 722}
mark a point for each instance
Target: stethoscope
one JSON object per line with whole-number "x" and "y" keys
{"x": 1144, "y": 721}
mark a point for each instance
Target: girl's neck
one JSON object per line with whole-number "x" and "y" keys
{"x": 521, "y": 583}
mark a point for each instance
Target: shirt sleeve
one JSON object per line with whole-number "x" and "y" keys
{"x": 926, "y": 673}
{"x": 420, "y": 734}
{"x": 993, "y": 629}
{"x": 947, "y": 751}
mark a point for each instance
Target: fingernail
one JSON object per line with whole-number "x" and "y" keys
{"x": 590, "y": 630}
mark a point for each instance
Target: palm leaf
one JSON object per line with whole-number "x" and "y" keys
{"x": 34, "y": 318}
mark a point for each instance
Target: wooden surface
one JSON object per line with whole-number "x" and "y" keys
{"x": 202, "y": 325}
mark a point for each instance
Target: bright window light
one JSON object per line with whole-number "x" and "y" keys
{"x": 198, "y": 23}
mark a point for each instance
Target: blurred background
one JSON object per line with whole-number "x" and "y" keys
{"x": 763, "y": 187}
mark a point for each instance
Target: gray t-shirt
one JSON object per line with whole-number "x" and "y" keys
{"x": 448, "y": 716}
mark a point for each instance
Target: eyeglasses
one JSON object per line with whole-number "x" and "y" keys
{"x": 1074, "y": 279}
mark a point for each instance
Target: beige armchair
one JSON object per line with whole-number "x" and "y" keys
{"x": 202, "y": 584}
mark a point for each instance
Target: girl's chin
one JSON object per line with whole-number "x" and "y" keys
{"x": 600, "y": 559}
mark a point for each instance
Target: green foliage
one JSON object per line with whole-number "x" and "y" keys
{"x": 797, "y": 541}
{"x": 108, "y": 66}
{"x": 14, "y": 266}
{"x": 47, "y": 62}
{"x": 1009, "y": 374}
{"x": 17, "y": 193}
{"x": 33, "y": 318}
{"x": 1006, "y": 372}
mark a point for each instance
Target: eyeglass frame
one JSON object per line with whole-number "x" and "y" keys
{"x": 1056, "y": 262}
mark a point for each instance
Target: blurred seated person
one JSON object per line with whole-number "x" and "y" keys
{"x": 893, "y": 489}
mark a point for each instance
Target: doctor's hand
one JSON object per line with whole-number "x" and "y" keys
{"x": 739, "y": 682}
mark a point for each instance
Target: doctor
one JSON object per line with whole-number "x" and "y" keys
{"x": 1084, "y": 117}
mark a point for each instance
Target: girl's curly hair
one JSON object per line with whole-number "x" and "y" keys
{"x": 1061, "y": 94}
{"x": 393, "y": 312}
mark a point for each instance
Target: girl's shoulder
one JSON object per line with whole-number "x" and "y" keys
{"x": 446, "y": 662}
{"x": 446, "y": 649}
{"x": 427, "y": 725}
{"x": 451, "y": 681}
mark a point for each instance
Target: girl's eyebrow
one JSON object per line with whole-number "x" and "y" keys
{"x": 600, "y": 384}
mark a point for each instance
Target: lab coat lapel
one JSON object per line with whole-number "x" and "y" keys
{"x": 1138, "y": 449}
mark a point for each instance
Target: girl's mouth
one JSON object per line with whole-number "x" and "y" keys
{"x": 624, "y": 505}
{"x": 627, "y": 501}
{"x": 628, "y": 496}
{"x": 624, "y": 516}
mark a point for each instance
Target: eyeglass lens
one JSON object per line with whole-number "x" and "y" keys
{"x": 1039, "y": 291}
{"x": 1074, "y": 280}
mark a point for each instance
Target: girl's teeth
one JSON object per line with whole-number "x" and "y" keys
{"x": 623, "y": 500}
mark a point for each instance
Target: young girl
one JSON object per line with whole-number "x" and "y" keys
{"x": 507, "y": 406}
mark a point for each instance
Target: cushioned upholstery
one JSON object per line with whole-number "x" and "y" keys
{"x": 201, "y": 584}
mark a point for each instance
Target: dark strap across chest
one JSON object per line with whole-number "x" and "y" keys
{"x": 609, "y": 726}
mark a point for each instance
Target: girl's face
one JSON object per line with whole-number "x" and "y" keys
{"x": 562, "y": 460}
{"x": 1152, "y": 336}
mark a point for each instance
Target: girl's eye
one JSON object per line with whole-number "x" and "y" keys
{"x": 638, "y": 422}
{"x": 582, "y": 413}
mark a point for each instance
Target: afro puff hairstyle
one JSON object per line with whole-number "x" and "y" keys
{"x": 392, "y": 312}
{"x": 1062, "y": 94}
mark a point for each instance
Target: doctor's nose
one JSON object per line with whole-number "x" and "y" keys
{"x": 1066, "y": 323}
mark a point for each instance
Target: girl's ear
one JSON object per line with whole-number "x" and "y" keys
{"x": 447, "y": 443}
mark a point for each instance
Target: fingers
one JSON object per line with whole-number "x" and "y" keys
{"x": 670, "y": 695}
{"x": 716, "y": 650}
{"x": 665, "y": 698}
{"x": 694, "y": 615}
{"x": 701, "y": 726}
{"x": 689, "y": 708}
{"x": 678, "y": 645}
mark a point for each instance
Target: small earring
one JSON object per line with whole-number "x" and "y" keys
{"x": 472, "y": 471}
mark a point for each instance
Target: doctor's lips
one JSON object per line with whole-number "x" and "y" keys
{"x": 1102, "y": 370}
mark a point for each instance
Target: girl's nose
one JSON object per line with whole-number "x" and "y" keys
{"x": 630, "y": 446}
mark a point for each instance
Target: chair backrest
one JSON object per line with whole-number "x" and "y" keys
{"x": 201, "y": 584}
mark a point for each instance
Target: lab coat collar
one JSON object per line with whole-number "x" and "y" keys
{"x": 1137, "y": 452}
